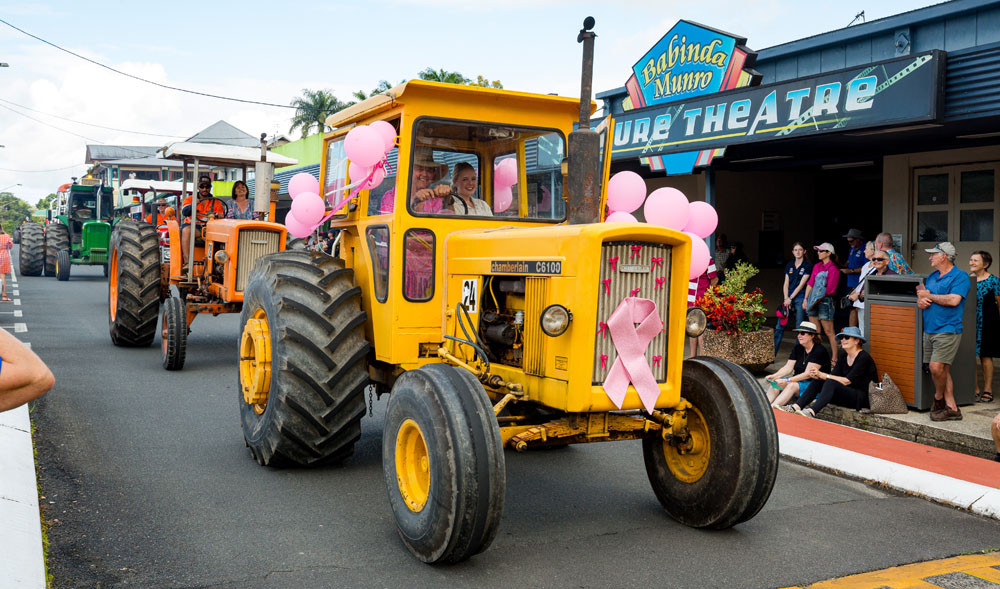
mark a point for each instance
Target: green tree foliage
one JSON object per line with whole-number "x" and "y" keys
{"x": 383, "y": 85}
{"x": 312, "y": 108}
{"x": 482, "y": 81}
{"x": 12, "y": 210}
{"x": 442, "y": 75}
{"x": 46, "y": 202}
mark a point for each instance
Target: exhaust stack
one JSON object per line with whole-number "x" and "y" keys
{"x": 584, "y": 181}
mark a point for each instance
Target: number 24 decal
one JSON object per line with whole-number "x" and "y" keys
{"x": 470, "y": 295}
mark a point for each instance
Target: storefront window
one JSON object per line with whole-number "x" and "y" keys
{"x": 932, "y": 189}
{"x": 977, "y": 186}
{"x": 378, "y": 245}
{"x": 932, "y": 226}
{"x": 418, "y": 265}
{"x": 976, "y": 225}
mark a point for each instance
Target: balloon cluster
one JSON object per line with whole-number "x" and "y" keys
{"x": 666, "y": 207}
{"x": 504, "y": 178}
{"x": 366, "y": 148}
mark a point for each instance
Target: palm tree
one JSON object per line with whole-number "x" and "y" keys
{"x": 312, "y": 108}
{"x": 383, "y": 85}
{"x": 441, "y": 75}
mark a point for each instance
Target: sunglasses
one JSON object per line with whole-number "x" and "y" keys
{"x": 204, "y": 186}
{"x": 879, "y": 259}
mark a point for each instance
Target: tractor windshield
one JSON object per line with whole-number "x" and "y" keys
{"x": 484, "y": 170}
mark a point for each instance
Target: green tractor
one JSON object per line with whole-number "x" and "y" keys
{"x": 78, "y": 234}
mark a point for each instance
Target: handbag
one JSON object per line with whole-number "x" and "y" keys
{"x": 885, "y": 397}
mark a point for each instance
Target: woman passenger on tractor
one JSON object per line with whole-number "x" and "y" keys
{"x": 207, "y": 205}
{"x": 464, "y": 185}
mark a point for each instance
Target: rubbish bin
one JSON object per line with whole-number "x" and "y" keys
{"x": 894, "y": 326}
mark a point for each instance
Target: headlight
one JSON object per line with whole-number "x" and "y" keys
{"x": 221, "y": 257}
{"x": 555, "y": 320}
{"x": 696, "y": 322}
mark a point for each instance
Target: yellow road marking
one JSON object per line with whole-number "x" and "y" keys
{"x": 913, "y": 575}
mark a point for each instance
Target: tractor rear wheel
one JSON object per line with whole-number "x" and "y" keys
{"x": 443, "y": 463}
{"x": 174, "y": 332}
{"x": 133, "y": 284}
{"x": 32, "y": 256}
{"x": 303, "y": 365}
{"x": 56, "y": 240}
{"x": 63, "y": 265}
{"x": 715, "y": 481}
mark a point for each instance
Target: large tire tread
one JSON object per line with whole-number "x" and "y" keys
{"x": 56, "y": 240}
{"x": 175, "y": 329}
{"x": 137, "y": 248}
{"x": 31, "y": 259}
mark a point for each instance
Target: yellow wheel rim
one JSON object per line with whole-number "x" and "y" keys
{"x": 255, "y": 361}
{"x": 689, "y": 462}
{"x": 113, "y": 285}
{"x": 412, "y": 465}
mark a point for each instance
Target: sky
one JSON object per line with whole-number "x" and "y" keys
{"x": 271, "y": 51}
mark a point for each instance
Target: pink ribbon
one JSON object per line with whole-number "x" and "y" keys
{"x": 602, "y": 329}
{"x": 656, "y": 360}
{"x": 614, "y": 263}
{"x": 607, "y": 285}
{"x": 657, "y": 262}
{"x": 635, "y": 250}
{"x": 631, "y": 343}
{"x": 634, "y": 291}
{"x": 384, "y": 164}
{"x": 659, "y": 283}
{"x": 604, "y": 364}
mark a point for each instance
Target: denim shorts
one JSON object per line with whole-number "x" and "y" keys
{"x": 823, "y": 309}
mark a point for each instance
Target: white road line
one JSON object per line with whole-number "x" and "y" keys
{"x": 16, "y": 313}
{"x": 17, "y": 302}
{"x": 16, "y": 292}
{"x": 20, "y": 327}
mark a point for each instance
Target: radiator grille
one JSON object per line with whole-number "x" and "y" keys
{"x": 253, "y": 244}
{"x": 625, "y": 276}
{"x": 534, "y": 339}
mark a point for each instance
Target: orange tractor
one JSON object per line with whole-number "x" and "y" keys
{"x": 212, "y": 279}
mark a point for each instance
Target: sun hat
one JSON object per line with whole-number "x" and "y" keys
{"x": 161, "y": 201}
{"x": 854, "y": 332}
{"x": 807, "y": 327}
{"x": 826, "y": 246}
{"x": 945, "y": 247}
{"x": 853, "y": 233}
{"x": 423, "y": 156}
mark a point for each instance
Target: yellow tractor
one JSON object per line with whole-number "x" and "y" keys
{"x": 146, "y": 259}
{"x": 487, "y": 324}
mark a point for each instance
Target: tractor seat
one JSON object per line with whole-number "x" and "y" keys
{"x": 83, "y": 214}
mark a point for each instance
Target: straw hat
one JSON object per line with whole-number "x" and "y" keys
{"x": 807, "y": 327}
{"x": 423, "y": 156}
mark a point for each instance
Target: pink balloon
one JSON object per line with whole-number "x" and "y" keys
{"x": 700, "y": 256}
{"x": 302, "y": 182}
{"x": 621, "y": 217}
{"x": 502, "y": 197}
{"x": 387, "y": 132}
{"x": 505, "y": 173}
{"x": 703, "y": 219}
{"x": 359, "y": 173}
{"x": 364, "y": 146}
{"x": 375, "y": 180}
{"x": 626, "y": 191}
{"x": 296, "y": 227}
{"x": 308, "y": 208}
{"x": 667, "y": 207}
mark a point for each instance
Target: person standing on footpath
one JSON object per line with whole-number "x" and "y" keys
{"x": 696, "y": 289}
{"x": 897, "y": 263}
{"x": 987, "y": 320}
{"x": 856, "y": 260}
{"x": 794, "y": 291}
{"x": 23, "y": 375}
{"x": 942, "y": 298}
{"x": 819, "y": 305}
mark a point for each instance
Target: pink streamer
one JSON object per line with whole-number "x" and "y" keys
{"x": 657, "y": 262}
{"x": 614, "y": 263}
{"x": 659, "y": 283}
{"x": 602, "y": 329}
{"x": 635, "y": 250}
{"x": 635, "y": 291}
{"x": 356, "y": 189}
{"x": 607, "y": 285}
{"x": 631, "y": 343}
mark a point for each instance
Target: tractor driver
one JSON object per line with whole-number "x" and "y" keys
{"x": 426, "y": 171}
{"x": 205, "y": 208}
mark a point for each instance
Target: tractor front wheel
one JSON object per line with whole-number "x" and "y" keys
{"x": 303, "y": 365}
{"x": 31, "y": 259}
{"x": 174, "y": 333}
{"x": 63, "y": 265}
{"x": 133, "y": 284}
{"x": 724, "y": 472}
{"x": 56, "y": 240}
{"x": 443, "y": 463}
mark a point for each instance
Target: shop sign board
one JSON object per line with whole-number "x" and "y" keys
{"x": 892, "y": 92}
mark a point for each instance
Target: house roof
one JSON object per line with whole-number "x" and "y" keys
{"x": 151, "y": 162}
{"x": 224, "y": 155}
{"x": 223, "y": 133}
{"x": 101, "y": 153}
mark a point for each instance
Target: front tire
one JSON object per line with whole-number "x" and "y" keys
{"x": 715, "y": 483}
{"x": 133, "y": 284}
{"x": 56, "y": 240}
{"x": 63, "y": 265}
{"x": 173, "y": 334}
{"x": 31, "y": 259}
{"x": 303, "y": 360}
{"x": 443, "y": 463}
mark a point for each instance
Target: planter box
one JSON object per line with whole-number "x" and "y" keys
{"x": 753, "y": 350}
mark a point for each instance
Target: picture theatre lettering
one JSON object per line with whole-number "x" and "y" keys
{"x": 891, "y": 92}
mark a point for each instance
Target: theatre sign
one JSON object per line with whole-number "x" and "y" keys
{"x": 901, "y": 90}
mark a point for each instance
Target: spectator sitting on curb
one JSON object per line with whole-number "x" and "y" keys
{"x": 897, "y": 263}
{"x": 942, "y": 299}
{"x": 23, "y": 375}
{"x": 807, "y": 355}
{"x": 847, "y": 384}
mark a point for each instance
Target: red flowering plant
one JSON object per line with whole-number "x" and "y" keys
{"x": 729, "y": 307}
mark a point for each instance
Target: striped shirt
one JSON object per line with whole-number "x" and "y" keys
{"x": 697, "y": 288}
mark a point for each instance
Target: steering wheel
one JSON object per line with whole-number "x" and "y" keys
{"x": 225, "y": 208}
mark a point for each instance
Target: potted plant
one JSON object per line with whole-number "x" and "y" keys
{"x": 736, "y": 321}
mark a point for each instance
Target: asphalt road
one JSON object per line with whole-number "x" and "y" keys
{"x": 146, "y": 483}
